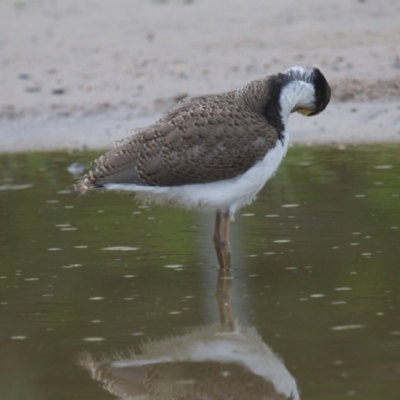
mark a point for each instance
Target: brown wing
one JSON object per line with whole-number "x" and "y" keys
{"x": 207, "y": 139}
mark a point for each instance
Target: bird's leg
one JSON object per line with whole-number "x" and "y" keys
{"x": 223, "y": 296}
{"x": 221, "y": 239}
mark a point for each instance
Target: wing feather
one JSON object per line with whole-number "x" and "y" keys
{"x": 205, "y": 139}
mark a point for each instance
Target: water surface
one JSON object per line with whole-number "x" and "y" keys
{"x": 315, "y": 271}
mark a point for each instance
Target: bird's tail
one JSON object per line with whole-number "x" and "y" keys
{"x": 81, "y": 187}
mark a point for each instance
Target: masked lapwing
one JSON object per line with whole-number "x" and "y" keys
{"x": 213, "y": 152}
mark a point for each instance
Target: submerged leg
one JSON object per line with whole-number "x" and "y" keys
{"x": 221, "y": 239}
{"x": 223, "y": 295}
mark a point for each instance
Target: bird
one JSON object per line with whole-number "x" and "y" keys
{"x": 212, "y": 152}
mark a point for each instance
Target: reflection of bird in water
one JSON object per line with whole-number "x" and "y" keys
{"x": 224, "y": 361}
{"x": 213, "y": 152}
{"x": 205, "y": 364}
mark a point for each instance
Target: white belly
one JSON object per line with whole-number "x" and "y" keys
{"x": 222, "y": 195}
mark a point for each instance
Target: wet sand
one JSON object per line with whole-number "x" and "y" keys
{"x": 83, "y": 74}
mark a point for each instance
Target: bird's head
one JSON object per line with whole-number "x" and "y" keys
{"x": 310, "y": 102}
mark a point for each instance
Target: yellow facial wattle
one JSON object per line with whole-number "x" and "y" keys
{"x": 305, "y": 111}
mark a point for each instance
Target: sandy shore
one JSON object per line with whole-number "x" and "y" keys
{"x": 81, "y": 74}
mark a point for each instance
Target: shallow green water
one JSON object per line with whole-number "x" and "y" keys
{"x": 315, "y": 270}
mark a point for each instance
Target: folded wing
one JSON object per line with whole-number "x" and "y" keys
{"x": 206, "y": 139}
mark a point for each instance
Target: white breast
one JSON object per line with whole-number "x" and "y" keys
{"x": 228, "y": 194}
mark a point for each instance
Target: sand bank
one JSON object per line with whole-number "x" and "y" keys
{"x": 79, "y": 74}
